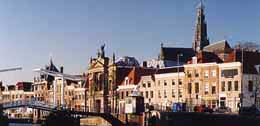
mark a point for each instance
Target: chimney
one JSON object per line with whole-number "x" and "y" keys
{"x": 194, "y": 60}
{"x": 144, "y": 64}
{"x": 61, "y": 69}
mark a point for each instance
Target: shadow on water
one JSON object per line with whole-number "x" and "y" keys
{"x": 61, "y": 118}
{"x": 23, "y": 124}
{"x": 3, "y": 118}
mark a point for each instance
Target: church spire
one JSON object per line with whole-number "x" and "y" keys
{"x": 201, "y": 38}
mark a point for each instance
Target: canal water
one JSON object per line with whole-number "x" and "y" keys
{"x": 23, "y": 124}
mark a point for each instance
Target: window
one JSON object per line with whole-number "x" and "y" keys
{"x": 197, "y": 88}
{"x": 122, "y": 95}
{"x": 250, "y": 86}
{"x": 196, "y": 73}
{"x": 173, "y": 82}
{"x": 158, "y": 82}
{"x": 144, "y": 85}
{"x": 149, "y": 84}
{"x": 213, "y": 89}
{"x": 173, "y": 93}
{"x": 213, "y": 73}
{"x": 79, "y": 97}
{"x": 229, "y": 85}
{"x": 126, "y": 93}
{"x": 206, "y": 88}
{"x": 189, "y": 73}
{"x": 180, "y": 93}
{"x": 206, "y": 74}
{"x": 180, "y": 82}
{"x": 111, "y": 84}
{"x": 142, "y": 94}
{"x": 146, "y": 94}
{"x": 159, "y": 94}
{"x": 229, "y": 73}
{"x": 223, "y": 86}
{"x": 151, "y": 94}
{"x": 236, "y": 86}
{"x": 189, "y": 88}
{"x": 165, "y": 83}
{"x": 126, "y": 81}
{"x": 165, "y": 94}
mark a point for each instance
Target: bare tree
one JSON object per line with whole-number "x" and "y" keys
{"x": 248, "y": 46}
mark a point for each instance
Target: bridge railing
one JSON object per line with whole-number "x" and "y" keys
{"x": 29, "y": 103}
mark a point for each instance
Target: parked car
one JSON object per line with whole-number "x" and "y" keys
{"x": 203, "y": 108}
{"x": 208, "y": 109}
{"x": 223, "y": 110}
{"x": 198, "y": 108}
{"x": 254, "y": 111}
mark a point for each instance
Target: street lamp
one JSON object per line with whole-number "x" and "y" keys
{"x": 178, "y": 69}
{"x": 242, "y": 70}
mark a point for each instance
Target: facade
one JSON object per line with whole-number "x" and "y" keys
{"x": 129, "y": 86}
{"x": 230, "y": 86}
{"x": 74, "y": 94}
{"x": 201, "y": 84}
{"x": 18, "y": 92}
{"x": 98, "y": 83}
{"x": 161, "y": 89}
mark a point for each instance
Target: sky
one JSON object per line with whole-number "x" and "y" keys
{"x": 71, "y": 31}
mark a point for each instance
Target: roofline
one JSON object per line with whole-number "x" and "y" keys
{"x": 177, "y": 47}
{"x": 224, "y": 40}
{"x": 201, "y": 64}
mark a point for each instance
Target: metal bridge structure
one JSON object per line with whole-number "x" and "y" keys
{"x": 30, "y": 103}
{"x": 40, "y": 105}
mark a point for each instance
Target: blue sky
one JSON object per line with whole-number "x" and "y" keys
{"x": 72, "y": 31}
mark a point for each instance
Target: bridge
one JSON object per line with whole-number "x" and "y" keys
{"x": 32, "y": 103}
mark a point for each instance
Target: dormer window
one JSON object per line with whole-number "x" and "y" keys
{"x": 127, "y": 81}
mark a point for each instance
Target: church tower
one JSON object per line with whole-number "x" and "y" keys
{"x": 201, "y": 39}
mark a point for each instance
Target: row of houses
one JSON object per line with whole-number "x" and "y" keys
{"x": 214, "y": 74}
{"x": 225, "y": 81}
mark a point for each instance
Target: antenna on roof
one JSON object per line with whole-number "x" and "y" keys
{"x": 161, "y": 44}
{"x": 50, "y": 56}
{"x": 201, "y": 3}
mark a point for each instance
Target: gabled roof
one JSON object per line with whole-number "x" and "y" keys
{"x": 51, "y": 67}
{"x": 170, "y": 70}
{"x": 127, "y": 61}
{"x": 170, "y": 53}
{"x": 136, "y": 73}
{"x": 207, "y": 57}
{"x": 220, "y": 46}
{"x": 250, "y": 60}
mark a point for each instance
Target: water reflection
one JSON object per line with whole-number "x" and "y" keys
{"x": 23, "y": 124}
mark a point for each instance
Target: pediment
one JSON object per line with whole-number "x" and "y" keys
{"x": 96, "y": 64}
